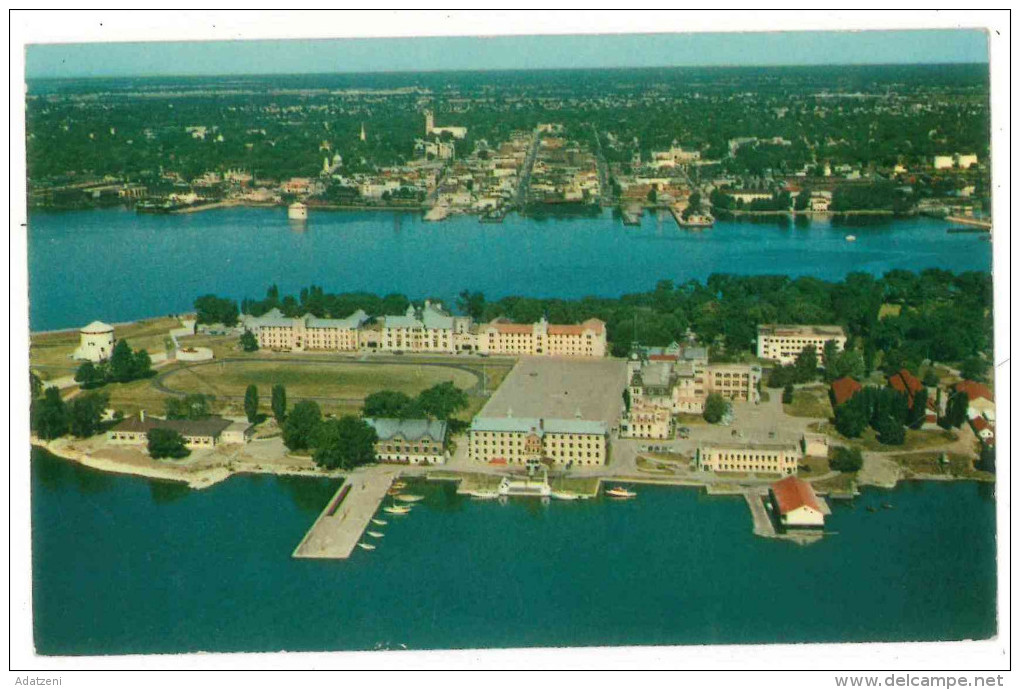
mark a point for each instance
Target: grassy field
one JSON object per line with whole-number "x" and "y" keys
{"x": 915, "y": 439}
{"x": 342, "y": 380}
{"x": 842, "y": 483}
{"x": 959, "y": 466}
{"x": 813, "y": 467}
{"x": 809, "y": 402}
{"x": 49, "y": 354}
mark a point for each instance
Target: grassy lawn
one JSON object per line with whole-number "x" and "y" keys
{"x": 813, "y": 467}
{"x": 928, "y": 463}
{"x": 687, "y": 419}
{"x": 49, "y": 354}
{"x": 841, "y": 483}
{"x": 889, "y": 310}
{"x": 579, "y": 485}
{"x": 326, "y": 380}
{"x": 915, "y": 439}
{"x": 809, "y": 402}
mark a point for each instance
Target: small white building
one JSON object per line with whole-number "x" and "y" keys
{"x": 97, "y": 342}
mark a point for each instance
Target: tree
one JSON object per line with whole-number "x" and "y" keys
{"x": 191, "y": 406}
{"x": 846, "y": 459}
{"x": 919, "y": 408}
{"x": 830, "y": 353}
{"x": 930, "y": 379}
{"x": 442, "y": 401}
{"x": 788, "y": 393}
{"x": 973, "y": 369}
{"x": 344, "y": 443}
{"x": 251, "y": 403}
{"x": 49, "y": 414}
{"x": 89, "y": 375}
{"x": 213, "y": 309}
{"x": 142, "y": 365}
{"x": 249, "y": 343}
{"x": 85, "y": 413}
{"x": 472, "y": 304}
{"x": 299, "y": 429}
{"x": 122, "y": 362}
{"x": 35, "y": 384}
{"x": 391, "y": 404}
{"x": 851, "y": 418}
{"x": 956, "y": 409}
{"x": 626, "y": 399}
{"x": 279, "y": 402}
{"x": 891, "y": 431}
{"x": 715, "y": 408}
{"x": 806, "y": 364}
{"x": 167, "y": 443}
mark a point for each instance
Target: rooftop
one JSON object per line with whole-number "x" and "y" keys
{"x": 792, "y": 493}
{"x": 408, "y": 429}
{"x": 800, "y": 330}
{"x": 539, "y": 425}
{"x": 209, "y": 426}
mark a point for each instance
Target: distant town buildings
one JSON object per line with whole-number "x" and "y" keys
{"x": 431, "y": 129}
{"x": 783, "y": 343}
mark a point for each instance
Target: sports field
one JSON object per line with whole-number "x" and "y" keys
{"x": 340, "y": 381}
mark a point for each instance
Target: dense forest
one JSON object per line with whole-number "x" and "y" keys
{"x": 899, "y": 319}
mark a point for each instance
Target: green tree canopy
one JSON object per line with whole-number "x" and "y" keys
{"x": 300, "y": 427}
{"x": 279, "y": 402}
{"x": 251, "y": 403}
{"x": 390, "y": 404}
{"x": 213, "y": 309}
{"x": 249, "y": 343}
{"x": 846, "y": 459}
{"x": 191, "y": 406}
{"x": 166, "y": 443}
{"x": 344, "y": 443}
{"x": 85, "y": 413}
{"x": 715, "y": 408}
{"x": 49, "y": 414}
{"x": 442, "y": 401}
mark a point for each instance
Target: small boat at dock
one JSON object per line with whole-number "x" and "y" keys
{"x": 620, "y": 492}
{"x": 398, "y": 485}
{"x": 397, "y": 510}
{"x": 483, "y": 494}
{"x": 409, "y": 498}
{"x": 377, "y": 521}
{"x": 850, "y": 238}
{"x": 565, "y": 495}
{"x": 374, "y": 534}
{"x": 366, "y": 547}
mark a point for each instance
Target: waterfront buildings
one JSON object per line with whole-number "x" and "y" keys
{"x": 500, "y": 336}
{"x": 428, "y": 329}
{"x": 96, "y": 343}
{"x": 768, "y": 458}
{"x": 275, "y": 331}
{"x": 783, "y": 343}
{"x": 796, "y": 504}
{"x": 197, "y": 433}
{"x": 410, "y": 441}
{"x": 647, "y": 421}
{"x": 526, "y": 440}
{"x": 681, "y": 382}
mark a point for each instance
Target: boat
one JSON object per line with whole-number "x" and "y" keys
{"x": 620, "y": 492}
{"x": 398, "y": 485}
{"x": 377, "y": 521}
{"x": 409, "y": 498}
{"x": 393, "y": 492}
{"x": 851, "y": 238}
{"x": 366, "y": 547}
{"x": 397, "y": 510}
{"x": 565, "y": 495}
{"x": 374, "y": 534}
{"x": 483, "y": 494}
{"x": 887, "y": 506}
{"x": 297, "y": 211}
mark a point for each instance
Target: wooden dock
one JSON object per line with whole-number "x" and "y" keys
{"x": 763, "y": 526}
{"x": 339, "y": 527}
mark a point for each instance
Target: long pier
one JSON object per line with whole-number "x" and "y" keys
{"x": 763, "y": 526}
{"x": 339, "y": 527}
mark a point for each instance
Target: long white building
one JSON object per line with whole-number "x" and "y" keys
{"x": 522, "y": 440}
{"x": 275, "y": 331}
{"x": 783, "y": 343}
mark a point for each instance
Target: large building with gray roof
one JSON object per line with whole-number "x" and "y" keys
{"x": 410, "y": 441}
{"x": 526, "y": 440}
{"x": 274, "y": 331}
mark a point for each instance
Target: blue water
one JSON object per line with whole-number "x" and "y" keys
{"x": 116, "y": 265}
{"x": 124, "y": 565}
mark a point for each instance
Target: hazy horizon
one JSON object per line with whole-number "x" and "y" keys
{"x": 501, "y": 53}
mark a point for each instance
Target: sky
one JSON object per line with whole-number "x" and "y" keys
{"x": 299, "y": 56}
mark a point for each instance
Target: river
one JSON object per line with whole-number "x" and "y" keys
{"x": 116, "y": 265}
{"x": 126, "y": 565}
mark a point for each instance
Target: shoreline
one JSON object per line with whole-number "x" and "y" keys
{"x": 203, "y": 477}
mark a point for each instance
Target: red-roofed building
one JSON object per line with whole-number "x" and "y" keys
{"x": 796, "y": 504}
{"x": 906, "y": 383}
{"x": 843, "y": 389}
{"x": 984, "y": 430}
{"x": 980, "y": 400}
